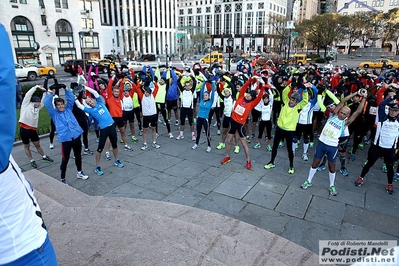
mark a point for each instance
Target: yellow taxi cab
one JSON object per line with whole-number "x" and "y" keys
{"x": 213, "y": 58}
{"x": 379, "y": 63}
{"x": 44, "y": 70}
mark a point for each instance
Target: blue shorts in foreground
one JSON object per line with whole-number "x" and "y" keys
{"x": 43, "y": 256}
{"x": 331, "y": 151}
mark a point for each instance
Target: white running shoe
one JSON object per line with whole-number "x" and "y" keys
{"x": 171, "y": 136}
{"x": 51, "y": 146}
{"x": 195, "y": 147}
{"x": 208, "y": 149}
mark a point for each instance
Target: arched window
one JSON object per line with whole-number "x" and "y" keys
{"x": 66, "y": 45}
{"x": 23, "y": 37}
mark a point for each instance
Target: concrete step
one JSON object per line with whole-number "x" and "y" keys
{"x": 88, "y": 230}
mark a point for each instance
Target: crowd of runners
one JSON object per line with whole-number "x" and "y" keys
{"x": 255, "y": 106}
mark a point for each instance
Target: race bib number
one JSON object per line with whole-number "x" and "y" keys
{"x": 239, "y": 110}
{"x": 373, "y": 110}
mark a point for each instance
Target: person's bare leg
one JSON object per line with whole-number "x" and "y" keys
{"x": 38, "y": 147}
{"x": 245, "y": 146}
{"x": 28, "y": 152}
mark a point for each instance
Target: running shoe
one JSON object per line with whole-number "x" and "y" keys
{"x": 179, "y": 137}
{"x": 97, "y": 140}
{"x": 156, "y": 135}
{"x": 118, "y": 163}
{"x": 344, "y": 172}
{"x": 128, "y": 148}
{"x": 33, "y": 164}
{"x": 297, "y": 147}
{"x": 269, "y": 166}
{"x": 305, "y": 157}
{"x": 51, "y": 146}
{"x": 226, "y": 160}
{"x": 64, "y": 181}
{"x": 141, "y": 132}
{"x": 248, "y": 165}
{"x": 216, "y": 123}
{"x": 107, "y": 156}
{"x": 87, "y": 152}
{"x": 195, "y": 146}
{"x": 384, "y": 168}
{"x": 389, "y": 189}
{"x": 269, "y": 148}
{"x": 257, "y": 146}
{"x": 121, "y": 140}
{"x": 321, "y": 167}
{"x": 364, "y": 164}
{"x": 291, "y": 170}
{"x": 47, "y": 159}
{"x": 281, "y": 144}
{"x": 359, "y": 181}
{"x": 218, "y": 132}
{"x": 395, "y": 177}
{"x": 311, "y": 145}
{"x": 353, "y": 157}
{"x": 221, "y": 146}
{"x": 82, "y": 175}
{"x": 98, "y": 170}
{"x": 193, "y": 138}
{"x": 249, "y": 139}
{"x": 176, "y": 123}
{"x": 156, "y": 145}
{"x": 333, "y": 191}
{"x": 170, "y": 135}
{"x": 306, "y": 184}
{"x": 361, "y": 146}
{"x": 134, "y": 139}
{"x": 144, "y": 147}
{"x": 208, "y": 149}
{"x": 236, "y": 149}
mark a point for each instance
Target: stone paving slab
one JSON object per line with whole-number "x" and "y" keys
{"x": 123, "y": 231}
{"x": 175, "y": 173}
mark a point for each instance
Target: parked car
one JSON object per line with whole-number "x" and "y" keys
{"x": 30, "y": 73}
{"x": 379, "y": 63}
{"x": 147, "y": 57}
{"x": 136, "y": 66}
{"x": 44, "y": 70}
{"x": 239, "y": 58}
{"x": 106, "y": 63}
{"x": 71, "y": 66}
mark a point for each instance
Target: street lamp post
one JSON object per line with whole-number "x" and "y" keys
{"x": 230, "y": 41}
{"x": 82, "y": 35}
{"x": 210, "y": 54}
{"x": 290, "y": 26}
{"x": 166, "y": 51}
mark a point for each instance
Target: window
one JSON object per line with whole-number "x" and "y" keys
{"x": 181, "y": 12}
{"x": 22, "y": 1}
{"x": 227, "y": 8}
{"x": 227, "y": 23}
{"x": 208, "y": 9}
{"x": 43, "y": 19}
{"x": 57, "y": 3}
{"x": 13, "y": 1}
{"x": 199, "y": 10}
{"x": 249, "y": 6}
{"x": 190, "y": 11}
{"x": 261, "y": 5}
{"x": 218, "y": 8}
{"x": 238, "y": 7}
{"x": 65, "y": 4}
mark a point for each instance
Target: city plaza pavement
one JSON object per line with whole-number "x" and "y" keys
{"x": 268, "y": 199}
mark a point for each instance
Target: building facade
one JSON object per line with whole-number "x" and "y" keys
{"x": 135, "y": 27}
{"x": 48, "y": 31}
{"x": 247, "y": 22}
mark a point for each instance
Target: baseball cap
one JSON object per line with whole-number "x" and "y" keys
{"x": 35, "y": 99}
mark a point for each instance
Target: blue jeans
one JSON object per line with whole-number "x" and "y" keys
{"x": 43, "y": 256}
